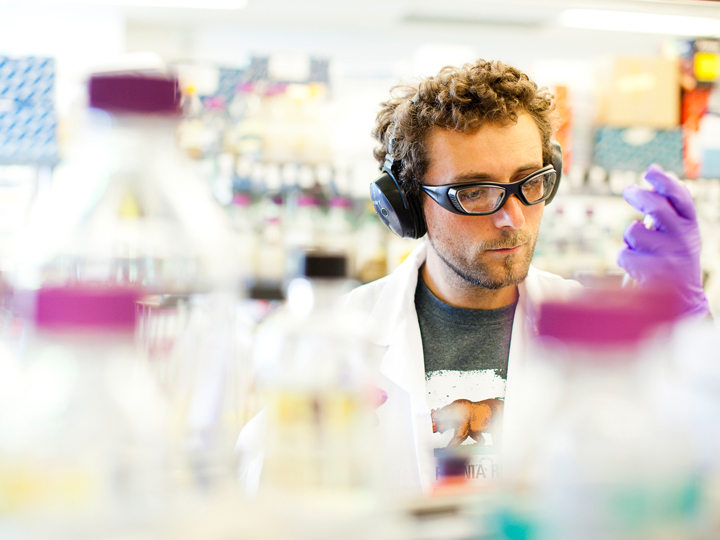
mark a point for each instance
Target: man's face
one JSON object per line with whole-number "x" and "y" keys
{"x": 491, "y": 251}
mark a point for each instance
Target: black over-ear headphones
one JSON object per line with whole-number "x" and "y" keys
{"x": 403, "y": 214}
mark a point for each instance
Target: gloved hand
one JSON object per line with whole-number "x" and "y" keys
{"x": 668, "y": 256}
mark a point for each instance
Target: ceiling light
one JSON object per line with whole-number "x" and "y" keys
{"x": 652, "y": 23}
{"x": 193, "y": 4}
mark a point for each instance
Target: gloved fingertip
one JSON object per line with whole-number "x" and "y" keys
{"x": 630, "y": 194}
{"x": 629, "y": 233}
{"x": 656, "y": 172}
{"x": 664, "y": 182}
{"x": 628, "y": 243}
{"x": 655, "y": 169}
{"x": 630, "y": 190}
{"x": 620, "y": 259}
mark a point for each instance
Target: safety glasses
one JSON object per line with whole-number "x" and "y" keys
{"x": 483, "y": 198}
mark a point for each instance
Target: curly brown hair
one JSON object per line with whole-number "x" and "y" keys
{"x": 461, "y": 99}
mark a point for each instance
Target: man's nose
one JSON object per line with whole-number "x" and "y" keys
{"x": 510, "y": 215}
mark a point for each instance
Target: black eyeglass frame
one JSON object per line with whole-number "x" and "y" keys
{"x": 446, "y": 197}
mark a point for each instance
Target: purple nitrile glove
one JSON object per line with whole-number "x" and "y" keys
{"x": 668, "y": 255}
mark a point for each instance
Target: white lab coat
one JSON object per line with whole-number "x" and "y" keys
{"x": 405, "y": 427}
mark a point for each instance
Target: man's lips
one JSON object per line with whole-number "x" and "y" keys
{"x": 504, "y": 251}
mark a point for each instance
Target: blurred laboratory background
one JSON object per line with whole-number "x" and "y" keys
{"x": 169, "y": 262}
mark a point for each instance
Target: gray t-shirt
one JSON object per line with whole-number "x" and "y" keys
{"x": 462, "y": 339}
{"x": 466, "y": 357}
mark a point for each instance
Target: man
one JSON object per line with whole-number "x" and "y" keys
{"x": 470, "y": 155}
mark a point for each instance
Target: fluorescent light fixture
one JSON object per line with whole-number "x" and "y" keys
{"x": 652, "y": 23}
{"x": 192, "y": 4}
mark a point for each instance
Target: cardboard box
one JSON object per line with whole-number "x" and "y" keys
{"x": 643, "y": 92}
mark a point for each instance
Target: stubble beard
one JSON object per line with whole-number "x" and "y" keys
{"x": 514, "y": 268}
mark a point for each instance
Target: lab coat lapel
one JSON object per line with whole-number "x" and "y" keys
{"x": 524, "y": 331}
{"x": 397, "y": 326}
{"x": 403, "y": 362}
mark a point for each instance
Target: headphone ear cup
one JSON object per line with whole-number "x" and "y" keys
{"x": 419, "y": 215}
{"x": 557, "y": 163}
{"x": 400, "y": 213}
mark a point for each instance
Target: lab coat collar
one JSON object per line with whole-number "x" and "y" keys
{"x": 398, "y": 329}
{"x": 399, "y": 296}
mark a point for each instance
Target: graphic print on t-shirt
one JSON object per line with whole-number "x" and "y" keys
{"x": 474, "y": 419}
{"x": 467, "y": 409}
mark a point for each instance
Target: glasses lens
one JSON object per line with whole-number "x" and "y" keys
{"x": 480, "y": 199}
{"x": 536, "y": 189}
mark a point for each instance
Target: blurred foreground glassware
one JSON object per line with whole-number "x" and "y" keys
{"x": 84, "y": 447}
{"x": 124, "y": 207}
{"x": 125, "y": 210}
{"x": 315, "y": 377}
{"x": 601, "y": 450}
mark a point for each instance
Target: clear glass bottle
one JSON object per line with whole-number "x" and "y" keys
{"x": 271, "y": 243}
{"x": 338, "y": 232}
{"x": 303, "y": 224}
{"x": 315, "y": 374}
{"x": 242, "y": 216}
{"x": 371, "y": 248}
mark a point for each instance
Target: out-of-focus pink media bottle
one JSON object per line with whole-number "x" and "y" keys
{"x": 84, "y": 450}
{"x": 594, "y": 445}
{"x": 124, "y": 206}
{"x": 125, "y": 210}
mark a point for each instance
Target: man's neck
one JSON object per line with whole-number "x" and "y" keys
{"x": 455, "y": 291}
